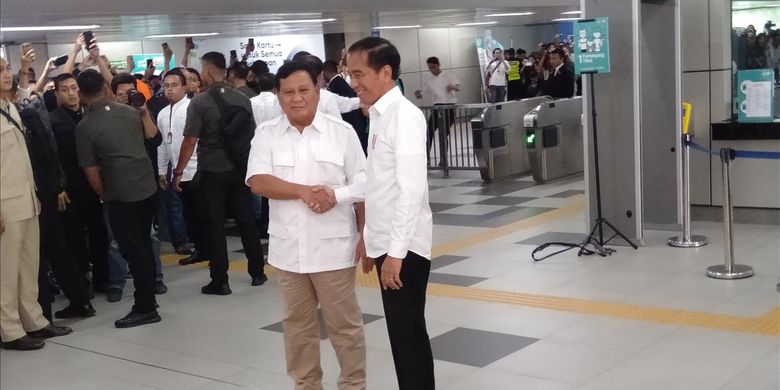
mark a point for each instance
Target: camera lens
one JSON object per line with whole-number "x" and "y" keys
{"x": 136, "y": 98}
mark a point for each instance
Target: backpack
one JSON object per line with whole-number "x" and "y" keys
{"x": 237, "y": 126}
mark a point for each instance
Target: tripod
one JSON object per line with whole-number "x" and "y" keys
{"x": 598, "y": 241}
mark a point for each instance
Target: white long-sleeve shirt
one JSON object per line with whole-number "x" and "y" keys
{"x": 331, "y": 104}
{"x": 398, "y": 216}
{"x": 327, "y": 152}
{"x": 171, "y": 121}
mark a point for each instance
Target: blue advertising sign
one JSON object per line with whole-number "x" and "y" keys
{"x": 591, "y": 46}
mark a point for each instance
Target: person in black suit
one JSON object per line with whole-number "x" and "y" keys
{"x": 340, "y": 87}
{"x": 557, "y": 82}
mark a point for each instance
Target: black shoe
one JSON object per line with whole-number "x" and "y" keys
{"x": 160, "y": 288}
{"x": 50, "y": 331}
{"x": 76, "y": 312}
{"x": 259, "y": 280}
{"x": 183, "y": 250}
{"x": 213, "y": 289}
{"x": 195, "y": 257}
{"x": 138, "y": 319}
{"x": 24, "y": 343}
{"x": 114, "y": 294}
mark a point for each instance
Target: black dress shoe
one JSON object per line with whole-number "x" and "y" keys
{"x": 214, "y": 289}
{"x": 138, "y": 319}
{"x": 76, "y": 312}
{"x": 259, "y": 280}
{"x": 183, "y": 250}
{"x": 24, "y": 343}
{"x": 195, "y": 257}
{"x": 160, "y": 288}
{"x": 114, "y": 294}
{"x": 50, "y": 331}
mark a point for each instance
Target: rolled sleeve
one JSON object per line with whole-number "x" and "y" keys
{"x": 194, "y": 124}
{"x": 259, "y": 155}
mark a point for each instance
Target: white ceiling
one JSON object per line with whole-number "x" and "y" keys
{"x": 181, "y": 17}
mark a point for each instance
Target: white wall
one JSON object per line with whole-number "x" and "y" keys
{"x": 15, "y": 57}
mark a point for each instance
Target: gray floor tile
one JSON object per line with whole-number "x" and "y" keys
{"x": 277, "y": 326}
{"x": 554, "y": 237}
{"x": 492, "y": 220}
{"x": 566, "y": 194}
{"x": 476, "y": 348}
{"x": 439, "y": 207}
{"x": 443, "y": 261}
{"x": 502, "y": 189}
{"x": 505, "y": 200}
{"x": 454, "y": 280}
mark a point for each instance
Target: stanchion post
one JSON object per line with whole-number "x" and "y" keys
{"x": 729, "y": 270}
{"x": 686, "y": 240}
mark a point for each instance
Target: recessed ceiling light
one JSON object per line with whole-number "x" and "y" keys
{"x": 571, "y": 13}
{"x": 181, "y": 35}
{"x": 511, "y": 14}
{"x": 565, "y": 19}
{"x": 49, "y": 28}
{"x": 396, "y": 27}
{"x": 299, "y": 21}
{"x": 475, "y": 24}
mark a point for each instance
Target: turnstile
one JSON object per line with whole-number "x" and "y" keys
{"x": 554, "y": 139}
{"x": 499, "y": 138}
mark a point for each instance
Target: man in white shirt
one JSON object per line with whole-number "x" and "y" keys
{"x": 497, "y": 70}
{"x": 399, "y": 227}
{"x": 312, "y": 168}
{"x": 171, "y": 122}
{"x": 442, "y": 88}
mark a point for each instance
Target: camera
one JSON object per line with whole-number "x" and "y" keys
{"x": 135, "y": 98}
{"x": 769, "y": 25}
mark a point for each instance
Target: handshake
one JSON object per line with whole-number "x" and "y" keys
{"x": 320, "y": 199}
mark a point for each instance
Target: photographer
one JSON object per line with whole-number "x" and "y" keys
{"x": 111, "y": 151}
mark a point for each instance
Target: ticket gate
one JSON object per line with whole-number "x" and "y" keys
{"x": 554, "y": 138}
{"x": 499, "y": 138}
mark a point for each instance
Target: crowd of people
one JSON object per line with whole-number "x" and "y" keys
{"x": 94, "y": 157}
{"x": 754, "y": 50}
{"x": 514, "y": 74}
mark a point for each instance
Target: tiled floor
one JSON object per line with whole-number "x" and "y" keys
{"x": 518, "y": 332}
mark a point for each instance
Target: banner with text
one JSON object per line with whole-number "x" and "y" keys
{"x": 274, "y": 50}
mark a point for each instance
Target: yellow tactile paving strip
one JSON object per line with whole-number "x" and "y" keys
{"x": 766, "y": 324}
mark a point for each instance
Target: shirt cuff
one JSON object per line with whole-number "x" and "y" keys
{"x": 398, "y": 250}
{"x": 163, "y": 172}
{"x": 342, "y": 195}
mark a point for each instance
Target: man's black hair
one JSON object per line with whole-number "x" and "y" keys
{"x": 60, "y": 78}
{"x": 510, "y": 51}
{"x": 265, "y": 82}
{"x": 90, "y": 82}
{"x": 122, "y": 78}
{"x": 259, "y": 67}
{"x": 313, "y": 61}
{"x": 521, "y": 51}
{"x": 292, "y": 67}
{"x": 177, "y": 72}
{"x": 196, "y": 73}
{"x": 559, "y": 52}
{"x": 138, "y": 76}
{"x": 433, "y": 60}
{"x": 330, "y": 66}
{"x": 240, "y": 70}
{"x": 298, "y": 55}
{"x": 216, "y": 59}
{"x": 381, "y": 53}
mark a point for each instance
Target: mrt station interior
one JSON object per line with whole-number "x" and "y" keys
{"x": 602, "y": 195}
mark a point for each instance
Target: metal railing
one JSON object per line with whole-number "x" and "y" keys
{"x": 450, "y": 139}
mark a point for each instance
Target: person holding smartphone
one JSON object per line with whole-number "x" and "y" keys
{"x": 497, "y": 70}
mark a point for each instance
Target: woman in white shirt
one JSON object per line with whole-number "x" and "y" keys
{"x": 497, "y": 70}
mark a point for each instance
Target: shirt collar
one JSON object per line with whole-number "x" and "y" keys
{"x": 334, "y": 77}
{"x": 319, "y": 123}
{"x": 180, "y": 102}
{"x": 387, "y": 100}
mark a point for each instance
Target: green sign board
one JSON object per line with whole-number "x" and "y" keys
{"x": 591, "y": 46}
{"x": 755, "y": 95}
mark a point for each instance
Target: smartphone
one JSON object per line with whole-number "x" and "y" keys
{"x": 149, "y": 63}
{"x": 60, "y": 61}
{"x": 188, "y": 40}
{"x": 165, "y": 45}
{"x": 233, "y": 55}
{"x": 251, "y": 41}
{"x": 88, "y": 37}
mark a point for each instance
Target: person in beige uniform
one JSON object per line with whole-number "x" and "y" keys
{"x": 22, "y": 324}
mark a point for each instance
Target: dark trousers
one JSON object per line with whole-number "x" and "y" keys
{"x": 405, "y": 316}
{"x": 55, "y": 252}
{"x": 86, "y": 234}
{"x": 222, "y": 194}
{"x": 131, "y": 223}
{"x": 440, "y": 119}
{"x": 514, "y": 90}
{"x": 497, "y": 93}
{"x": 192, "y": 219}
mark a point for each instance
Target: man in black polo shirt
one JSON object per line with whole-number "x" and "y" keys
{"x": 221, "y": 187}
{"x": 111, "y": 151}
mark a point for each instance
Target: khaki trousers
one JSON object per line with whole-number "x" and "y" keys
{"x": 19, "y": 261}
{"x": 335, "y": 293}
